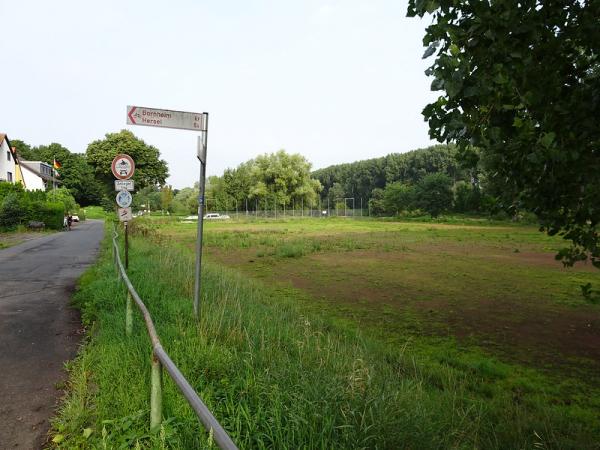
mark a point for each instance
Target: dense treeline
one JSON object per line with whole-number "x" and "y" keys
{"x": 429, "y": 180}
{"x": 359, "y": 179}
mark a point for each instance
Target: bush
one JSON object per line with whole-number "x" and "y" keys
{"x": 18, "y": 206}
{"x": 13, "y": 211}
{"x": 9, "y": 188}
{"x": 51, "y": 214}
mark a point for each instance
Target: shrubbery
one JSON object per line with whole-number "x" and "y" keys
{"x": 18, "y": 206}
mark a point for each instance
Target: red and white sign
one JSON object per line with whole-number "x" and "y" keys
{"x": 165, "y": 118}
{"x": 123, "y": 167}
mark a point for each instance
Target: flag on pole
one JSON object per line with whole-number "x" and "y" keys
{"x": 57, "y": 165}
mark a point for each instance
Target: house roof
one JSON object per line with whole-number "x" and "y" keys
{"x": 28, "y": 165}
{"x": 4, "y": 137}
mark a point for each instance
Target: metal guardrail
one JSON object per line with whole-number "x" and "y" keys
{"x": 160, "y": 359}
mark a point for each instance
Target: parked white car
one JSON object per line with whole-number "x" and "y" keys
{"x": 216, "y": 216}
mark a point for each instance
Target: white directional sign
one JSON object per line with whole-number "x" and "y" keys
{"x": 123, "y": 167}
{"x": 124, "y": 185}
{"x": 125, "y": 214}
{"x": 124, "y": 199}
{"x": 165, "y": 118}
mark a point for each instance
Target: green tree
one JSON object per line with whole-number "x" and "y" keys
{"x": 278, "y": 178}
{"x": 284, "y": 177}
{"x": 166, "y": 198}
{"x": 434, "y": 193}
{"x": 398, "y": 197}
{"x": 147, "y": 198}
{"x": 521, "y": 81}
{"x": 467, "y": 198}
{"x": 23, "y": 149}
{"x": 186, "y": 200}
{"x": 62, "y": 195}
{"x": 150, "y": 170}
{"x": 376, "y": 205}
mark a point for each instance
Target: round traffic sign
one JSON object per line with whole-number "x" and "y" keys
{"x": 123, "y": 167}
{"x": 124, "y": 199}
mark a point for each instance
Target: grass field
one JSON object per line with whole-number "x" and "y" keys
{"x": 333, "y": 333}
{"x": 497, "y": 286}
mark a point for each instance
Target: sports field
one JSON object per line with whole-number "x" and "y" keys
{"x": 492, "y": 286}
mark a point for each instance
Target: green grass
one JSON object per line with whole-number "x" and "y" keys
{"x": 278, "y": 372}
{"x": 96, "y": 212}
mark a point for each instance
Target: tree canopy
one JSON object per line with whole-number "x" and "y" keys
{"x": 150, "y": 170}
{"x": 521, "y": 81}
{"x": 279, "y": 178}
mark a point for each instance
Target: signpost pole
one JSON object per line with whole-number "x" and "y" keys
{"x": 126, "y": 246}
{"x": 202, "y": 141}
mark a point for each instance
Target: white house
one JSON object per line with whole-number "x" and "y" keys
{"x": 8, "y": 162}
{"x": 36, "y": 174}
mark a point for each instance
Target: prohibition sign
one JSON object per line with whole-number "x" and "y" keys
{"x": 123, "y": 167}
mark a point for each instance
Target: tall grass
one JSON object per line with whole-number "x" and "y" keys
{"x": 276, "y": 377}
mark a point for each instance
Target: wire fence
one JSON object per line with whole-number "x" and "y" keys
{"x": 160, "y": 361}
{"x": 342, "y": 207}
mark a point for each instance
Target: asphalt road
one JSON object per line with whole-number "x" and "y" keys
{"x": 38, "y": 329}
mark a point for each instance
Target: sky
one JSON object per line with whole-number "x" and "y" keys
{"x": 336, "y": 81}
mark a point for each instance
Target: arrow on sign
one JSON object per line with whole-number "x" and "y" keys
{"x": 130, "y": 114}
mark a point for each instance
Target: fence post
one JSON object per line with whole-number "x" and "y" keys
{"x": 129, "y": 315}
{"x": 156, "y": 395}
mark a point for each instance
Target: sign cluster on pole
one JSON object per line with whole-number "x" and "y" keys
{"x": 182, "y": 120}
{"x": 123, "y": 168}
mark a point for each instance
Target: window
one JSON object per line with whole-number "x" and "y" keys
{"x": 8, "y": 155}
{"x": 9, "y": 177}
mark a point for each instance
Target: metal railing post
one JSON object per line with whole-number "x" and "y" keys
{"x": 129, "y": 315}
{"x": 156, "y": 395}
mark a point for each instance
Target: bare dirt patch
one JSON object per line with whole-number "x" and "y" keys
{"x": 482, "y": 294}
{"x": 10, "y": 239}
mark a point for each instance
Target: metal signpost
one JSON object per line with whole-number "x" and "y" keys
{"x": 181, "y": 120}
{"x": 123, "y": 168}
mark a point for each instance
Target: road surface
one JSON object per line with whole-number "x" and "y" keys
{"x": 38, "y": 329}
